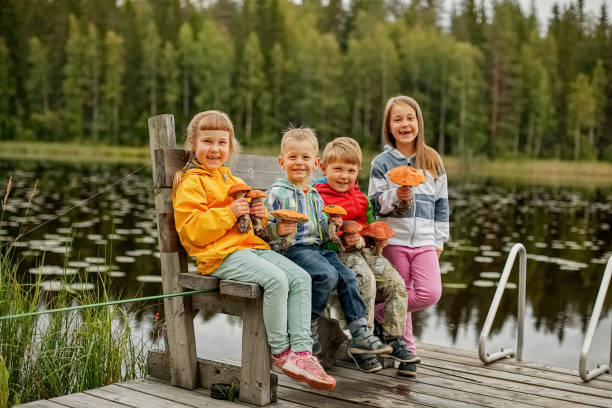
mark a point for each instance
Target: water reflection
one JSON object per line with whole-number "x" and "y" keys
{"x": 566, "y": 231}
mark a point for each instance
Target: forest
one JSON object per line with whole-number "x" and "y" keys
{"x": 492, "y": 80}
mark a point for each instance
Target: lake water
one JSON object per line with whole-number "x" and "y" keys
{"x": 565, "y": 229}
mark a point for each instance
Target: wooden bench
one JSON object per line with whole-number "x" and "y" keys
{"x": 257, "y": 385}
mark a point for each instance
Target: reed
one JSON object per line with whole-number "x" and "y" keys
{"x": 61, "y": 353}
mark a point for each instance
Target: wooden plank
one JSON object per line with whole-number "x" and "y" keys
{"x": 442, "y": 387}
{"x": 348, "y": 394}
{"x": 509, "y": 381}
{"x": 158, "y": 364}
{"x": 255, "y": 387}
{"x": 179, "y": 315}
{"x": 82, "y": 400}
{"x": 523, "y": 367}
{"x": 40, "y": 404}
{"x": 240, "y": 289}
{"x": 528, "y": 375}
{"x": 256, "y": 171}
{"x": 129, "y": 397}
{"x": 195, "y": 280}
{"x": 306, "y": 398}
{"x": 174, "y": 159}
{"x": 215, "y": 303}
{"x": 175, "y": 394}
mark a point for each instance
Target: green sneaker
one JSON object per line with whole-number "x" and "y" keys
{"x": 364, "y": 342}
{"x": 407, "y": 369}
{"x": 368, "y": 363}
{"x": 401, "y": 353}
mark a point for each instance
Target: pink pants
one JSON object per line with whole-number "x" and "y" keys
{"x": 420, "y": 269}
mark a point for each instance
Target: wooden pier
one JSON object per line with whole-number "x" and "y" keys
{"x": 448, "y": 377}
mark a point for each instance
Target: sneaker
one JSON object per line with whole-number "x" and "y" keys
{"x": 278, "y": 361}
{"x": 368, "y": 363}
{"x": 364, "y": 342}
{"x": 401, "y": 353}
{"x": 307, "y": 368}
{"x": 407, "y": 369}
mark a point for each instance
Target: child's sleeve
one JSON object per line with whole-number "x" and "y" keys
{"x": 197, "y": 224}
{"x": 381, "y": 192}
{"x": 370, "y": 217}
{"x": 441, "y": 210}
{"x": 272, "y": 203}
{"x": 323, "y": 219}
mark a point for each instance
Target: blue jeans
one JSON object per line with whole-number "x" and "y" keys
{"x": 329, "y": 273}
{"x": 286, "y": 298}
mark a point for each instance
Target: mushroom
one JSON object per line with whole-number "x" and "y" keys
{"x": 350, "y": 227}
{"x": 238, "y": 191}
{"x": 289, "y": 215}
{"x": 405, "y": 176}
{"x": 380, "y": 231}
{"x": 331, "y": 210}
{"x": 257, "y": 196}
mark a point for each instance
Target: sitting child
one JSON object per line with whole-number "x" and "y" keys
{"x": 206, "y": 220}
{"x": 299, "y": 157}
{"x": 378, "y": 280}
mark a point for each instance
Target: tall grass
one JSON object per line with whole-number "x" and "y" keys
{"x": 61, "y": 353}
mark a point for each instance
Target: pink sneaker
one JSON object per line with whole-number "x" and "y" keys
{"x": 307, "y": 368}
{"x": 277, "y": 361}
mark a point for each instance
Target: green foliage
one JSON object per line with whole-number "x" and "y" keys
{"x": 496, "y": 84}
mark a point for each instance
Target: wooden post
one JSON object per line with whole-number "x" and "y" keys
{"x": 255, "y": 370}
{"x": 178, "y": 311}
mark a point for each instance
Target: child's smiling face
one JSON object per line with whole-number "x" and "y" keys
{"x": 212, "y": 147}
{"x": 298, "y": 159}
{"x": 404, "y": 125}
{"x": 341, "y": 175}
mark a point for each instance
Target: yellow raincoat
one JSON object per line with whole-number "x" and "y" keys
{"x": 204, "y": 220}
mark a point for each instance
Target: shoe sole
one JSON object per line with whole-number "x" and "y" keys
{"x": 407, "y": 373}
{"x": 384, "y": 350}
{"x": 319, "y": 385}
{"x": 371, "y": 370}
{"x": 415, "y": 359}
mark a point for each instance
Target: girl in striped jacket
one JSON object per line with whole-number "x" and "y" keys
{"x": 421, "y": 231}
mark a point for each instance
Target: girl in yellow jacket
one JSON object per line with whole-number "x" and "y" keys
{"x": 205, "y": 220}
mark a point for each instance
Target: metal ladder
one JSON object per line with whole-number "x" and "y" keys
{"x": 501, "y": 286}
{"x": 585, "y": 374}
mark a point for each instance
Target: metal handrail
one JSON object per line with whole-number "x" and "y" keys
{"x": 585, "y": 374}
{"x": 482, "y": 342}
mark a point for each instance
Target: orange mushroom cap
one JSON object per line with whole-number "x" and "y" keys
{"x": 237, "y": 188}
{"x": 406, "y": 176}
{"x": 378, "y": 230}
{"x": 256, "y": 194}
{"x": 290, "y": 215}
{"x": 334, "y": 209}
{"x": 351, "y": 227}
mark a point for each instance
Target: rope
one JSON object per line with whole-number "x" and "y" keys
{"x": 113, "y": 302}
{"x": 81, "y": 202}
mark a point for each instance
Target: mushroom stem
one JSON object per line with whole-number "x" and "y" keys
{"x": 244, "y": 223}
{"x": 380, "y": 245}
{"x": 287, "y": 241}
{"x": 258, "y": 228}
{"x": 333, "y": 232}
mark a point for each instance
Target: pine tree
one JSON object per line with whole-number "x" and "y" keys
{"x": 187, "y": 55}
{"x": 93, "y": 69}
{"x": 581, "y": 110}
{"x": 75, "y": 81}
{"x": 169, "y": 73}
{"x": 112, "y": 88}
{"x": 7, "y": 92}
{"x": 251, "y": 85}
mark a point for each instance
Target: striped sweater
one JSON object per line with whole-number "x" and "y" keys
{"x": 427, "y": 221}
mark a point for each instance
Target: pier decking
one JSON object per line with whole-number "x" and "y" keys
{"x": 448, "y": 377}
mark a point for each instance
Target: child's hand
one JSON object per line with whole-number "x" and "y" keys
{"x": 404, "y": 193}
{"x": 350, "y": 240}
{"x": 286, "y": 227}
{"x": 438, "y": 252}
{"x": 258, "y": 209}
{"x": 336, "y": 219}
{"x": 240, "y": 207}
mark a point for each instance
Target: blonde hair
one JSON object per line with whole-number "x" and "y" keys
{"x": 344, "y": 149}
{"x": 426, "y": 157}
{"x": 207, "y": 120}
{"x": 300, "y": 134}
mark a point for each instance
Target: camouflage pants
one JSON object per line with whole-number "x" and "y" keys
{"x": 379, "y": 282}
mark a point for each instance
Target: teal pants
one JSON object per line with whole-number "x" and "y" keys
{"x": 286, "y": 299}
